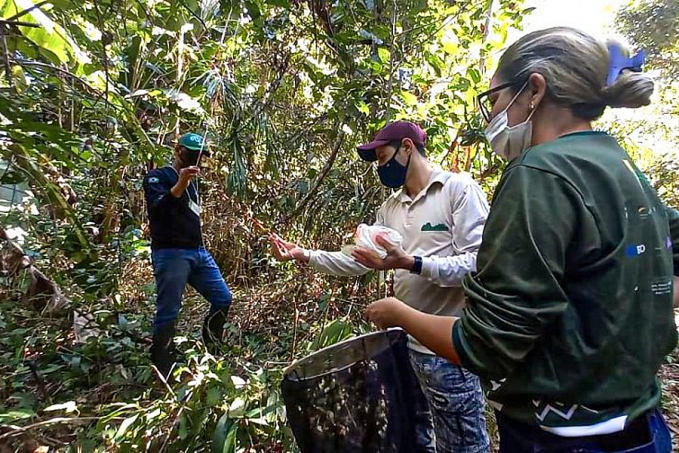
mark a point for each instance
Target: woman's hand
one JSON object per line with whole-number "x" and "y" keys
{"x": 386, "y": 312}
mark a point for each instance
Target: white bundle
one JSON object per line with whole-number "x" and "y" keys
{"x": 365, "y": 237}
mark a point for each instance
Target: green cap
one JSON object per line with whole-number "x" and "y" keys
{"x": 193, "y": 142}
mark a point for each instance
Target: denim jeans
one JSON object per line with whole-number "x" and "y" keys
{"x": 516, "y": 437}
{"x": 451, "y": 416}
{"x": 173, "y": 269}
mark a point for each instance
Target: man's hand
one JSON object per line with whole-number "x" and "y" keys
{"x": 286, "y": 251}
{"x": 185, "y": 177}
{"x": 675, "y": 299}
{"x": 387, "y": 312}
{"x": 396, "y": 257}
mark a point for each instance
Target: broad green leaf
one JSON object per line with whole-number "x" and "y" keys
{"x": 259, "y": 421}
{"x": 253, "y": 9}
{"x": 16, "y": 414}
{"x": 214, "y": 396}
{"x": 334, "y": 332}
{"x": 273, "y": 404}
{"x": 153, "y": 414}
{"x": 362, "y": 107}
{"x": 450, "y": 47}
{"x": 124, "y": 426}
{"x": 237, "y": 408}
{"x": 183, "y": 428}
{"x": 409, "y": 98}
{"x": 49, "y": 36}
{"x": 383, "y": 54}
{"x": 474, "y": 74}
{"x": 224, "y": 437}
{"x": 219, "y": 435}
{"x": 230, "y": 443}
{"x": 435, "y": 63}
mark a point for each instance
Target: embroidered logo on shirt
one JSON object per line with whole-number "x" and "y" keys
{"x": 428, "y": 227}
{"x": 153, "y": 179}
{"x": 635, "y": 250}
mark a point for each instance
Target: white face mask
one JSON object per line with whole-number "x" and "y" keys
{"x": 510, "y": 142}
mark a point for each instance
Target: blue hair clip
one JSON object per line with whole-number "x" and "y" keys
{"x": 618, "y": 62}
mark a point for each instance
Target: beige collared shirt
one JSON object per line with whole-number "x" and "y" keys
{"x": 443, "y": 224}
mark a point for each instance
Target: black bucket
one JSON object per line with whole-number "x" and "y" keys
{"x": 356, "y": 396}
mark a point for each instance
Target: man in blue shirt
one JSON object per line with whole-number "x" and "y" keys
{"x": 178, "y": 254}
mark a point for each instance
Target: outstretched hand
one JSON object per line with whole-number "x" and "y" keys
{"x": 286, "y": 251}
{"x": 396, "y": 257}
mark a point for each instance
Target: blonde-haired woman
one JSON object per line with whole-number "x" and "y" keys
{"x": 569, "y": 315}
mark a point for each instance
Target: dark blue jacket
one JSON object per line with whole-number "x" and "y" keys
{"x": 173, "y": 223}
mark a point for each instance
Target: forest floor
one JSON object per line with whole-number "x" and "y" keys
{"x": 40, "y": 365}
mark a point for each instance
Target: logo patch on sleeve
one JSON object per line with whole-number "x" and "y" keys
{"x": 153, "y": 179}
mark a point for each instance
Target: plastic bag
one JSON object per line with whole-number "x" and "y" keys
{"x": 365, "y": 237}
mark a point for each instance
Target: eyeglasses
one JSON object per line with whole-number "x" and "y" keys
{"x": 485, "y": 103}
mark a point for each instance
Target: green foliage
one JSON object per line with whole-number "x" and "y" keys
{"x": 664, "y": 173}
{"x": 103, "y": 390}
{"x": 285, "y": 90}
{"x": 95, "y": 96}
{"x": 652, "y": 135}
{"x": 646, "y": 23}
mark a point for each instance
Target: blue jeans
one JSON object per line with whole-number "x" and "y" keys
{"x": 173, "y": 269}
{"x": 451, "y": 416}
{"x": 648, "y": 434}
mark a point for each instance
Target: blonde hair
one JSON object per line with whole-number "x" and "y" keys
{"x": 575, "y": 66}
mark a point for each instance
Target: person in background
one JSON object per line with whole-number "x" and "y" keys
{"x": 569, "y": 315}
{"x": 440, "y": 216}
{"x": 178, "y": 253}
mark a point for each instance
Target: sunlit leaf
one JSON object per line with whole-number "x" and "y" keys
{"x": 67, "y": 407}
{"x": 384, "y": 54}
{"x": 124, "y": 426}
{"x": 409, "y": 98}
{"x": 237, "y": 407}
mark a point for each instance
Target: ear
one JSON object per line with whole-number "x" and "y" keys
{"x": 537, "y": 87}
{"x": 408, "y": 146}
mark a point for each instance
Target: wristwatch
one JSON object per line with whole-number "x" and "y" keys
{"x": 417, "y": 265}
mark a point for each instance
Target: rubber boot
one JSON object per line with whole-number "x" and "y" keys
{"x": 162, "y": 350}
{"x": 213, "y": 330}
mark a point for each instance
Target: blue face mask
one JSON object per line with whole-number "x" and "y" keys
{"x": 393, "y": 173}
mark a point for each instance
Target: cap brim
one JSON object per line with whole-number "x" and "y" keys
{"x": 206, "y": 151}
{"x": 367, "y": 151}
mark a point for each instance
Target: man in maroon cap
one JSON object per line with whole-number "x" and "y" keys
{"x": 441, "y": 217}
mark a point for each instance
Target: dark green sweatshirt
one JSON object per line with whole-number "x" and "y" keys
{"x": 570, "y": 313}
